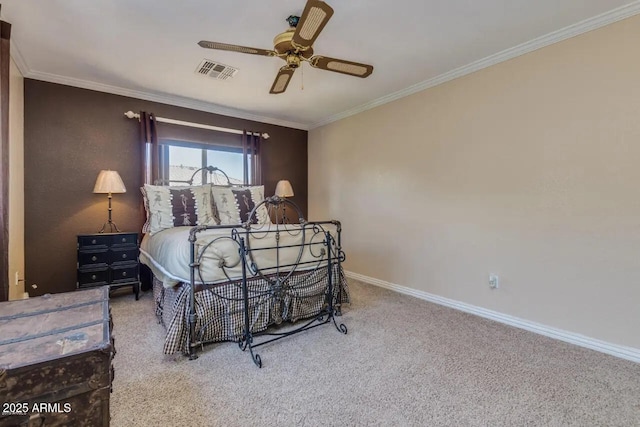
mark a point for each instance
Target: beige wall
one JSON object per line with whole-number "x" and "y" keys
{"x": 529, "y": 169}
{"x": 16, "y": 181}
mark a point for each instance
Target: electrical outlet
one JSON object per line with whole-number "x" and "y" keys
{"x": 494, "y": 281}
{"x": 17, "y": 279}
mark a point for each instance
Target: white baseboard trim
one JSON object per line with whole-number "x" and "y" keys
{"x": 627, "y": 353}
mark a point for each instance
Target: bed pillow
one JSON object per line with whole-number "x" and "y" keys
{"x": 169, "y": 207}
{"x": 233, "y": 204}
{"x": 145, "y": 202}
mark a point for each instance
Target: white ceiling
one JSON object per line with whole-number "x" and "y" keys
{"x": 147, "y": 49}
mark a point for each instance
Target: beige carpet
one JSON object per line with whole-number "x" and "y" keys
{"x": 404, "y": 362}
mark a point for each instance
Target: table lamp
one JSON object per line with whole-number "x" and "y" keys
{"x": 109, "y": 182}
{"x": 284, "y": 190}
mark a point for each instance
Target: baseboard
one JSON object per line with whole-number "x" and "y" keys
{"x": 628, "y": 353}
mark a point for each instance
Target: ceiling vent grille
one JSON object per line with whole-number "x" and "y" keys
{"x": 216, "y": 70}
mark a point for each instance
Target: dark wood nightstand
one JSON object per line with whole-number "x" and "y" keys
{"x": 108, "y": 259}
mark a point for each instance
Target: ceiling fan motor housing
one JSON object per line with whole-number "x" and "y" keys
{"x": 282, "y": 45}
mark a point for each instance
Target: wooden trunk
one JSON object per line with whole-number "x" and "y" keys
{"x": 55, "y": 360}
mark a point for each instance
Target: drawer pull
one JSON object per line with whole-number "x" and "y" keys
{"x": 124, "y": 256}
{"x": 93, "y": 277}
{"x": 124, "y": 240}
{"x": 124, "y": 274}
{"x": 94, "y": 258}
{"x": 94, "y": 241}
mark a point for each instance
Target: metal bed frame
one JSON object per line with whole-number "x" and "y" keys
{"x": 324, "y": 251}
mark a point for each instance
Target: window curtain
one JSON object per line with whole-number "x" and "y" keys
{"x": 251, "y": 146}
{"x": 5, "y": 59}
{"x": 152, "y": 153}
{"x": 150, "y": 149}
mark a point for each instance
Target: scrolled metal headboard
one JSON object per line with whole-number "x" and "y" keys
{"x": 211, "y": 170}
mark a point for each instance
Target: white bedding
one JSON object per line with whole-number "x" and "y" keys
{"x": 167, "y": 253}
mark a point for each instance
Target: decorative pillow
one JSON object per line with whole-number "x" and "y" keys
{"x": 145, "y": 202}
{"x": 169, "y": 207}
{"x": 214, "y": 208}
{"x": 233, "y": 204}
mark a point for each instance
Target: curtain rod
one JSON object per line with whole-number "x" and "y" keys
{"x": 132, "y": 115}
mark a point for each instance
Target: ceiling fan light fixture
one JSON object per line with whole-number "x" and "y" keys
{"x": 293, "y": 61}
{"x": 296, "y": 45}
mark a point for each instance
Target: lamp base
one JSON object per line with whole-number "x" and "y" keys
{"x": 109, "y": 223}
{"x": 112, "y": 225}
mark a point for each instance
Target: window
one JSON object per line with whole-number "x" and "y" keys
{"x": 180, "y": 160}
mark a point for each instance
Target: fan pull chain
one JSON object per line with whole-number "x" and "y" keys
{"x": 301, "y": 77}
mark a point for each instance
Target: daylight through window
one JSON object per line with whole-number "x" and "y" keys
{"x": 181, "y": 161}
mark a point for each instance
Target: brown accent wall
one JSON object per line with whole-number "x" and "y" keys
{"x": 5, "y": 59}
{"x": 71, "y": 134}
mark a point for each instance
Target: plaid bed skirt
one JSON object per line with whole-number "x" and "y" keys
{"x": 220, "y": 308}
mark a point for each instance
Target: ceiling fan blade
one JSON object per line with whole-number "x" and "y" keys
{"x": 341, "y": 66}
{"x": 315, "y": 16}
{"x": 282, "y": 80}
{"x": 236, "y": 48}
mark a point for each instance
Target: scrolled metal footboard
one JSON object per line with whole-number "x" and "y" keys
{"x": 281, "y": 254}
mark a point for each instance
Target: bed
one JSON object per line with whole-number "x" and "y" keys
{"x": 234, "y": 272}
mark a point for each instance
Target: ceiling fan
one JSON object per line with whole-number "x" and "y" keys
{"x": 295, "y": 45}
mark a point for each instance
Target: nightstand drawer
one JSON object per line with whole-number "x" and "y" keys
{"x": 93, "y": 259}
{"x": 94, "y": 241}
{"x": 124, "y": 274}
{"x": 125, "y": 239}
{"x": 123, "y": 255}
{"x": 93, "y": 277}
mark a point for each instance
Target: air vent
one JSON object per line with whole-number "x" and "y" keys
{"x": 216, "y": 70}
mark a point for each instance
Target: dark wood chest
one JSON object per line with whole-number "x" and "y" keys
{"x": 55, "y": 360}
{"x": 108, "y": 259}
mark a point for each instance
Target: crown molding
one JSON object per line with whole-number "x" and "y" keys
{"x": 535, "y": 44}
{"x": 623, "y": 352}
{"x": 178, "y": 101}
{"x": 530, "y": 46}
{"x": 18, "y": 58}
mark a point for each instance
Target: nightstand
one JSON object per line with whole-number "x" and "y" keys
{"x": 108, "y": 259}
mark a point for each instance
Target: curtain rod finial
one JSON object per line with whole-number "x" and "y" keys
{"x": 265, "y": 135}
{"x": 130, "y": 114}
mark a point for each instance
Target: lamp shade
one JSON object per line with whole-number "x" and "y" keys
{"x": 109, "y": 182}
{"x": 284, "y": 189}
